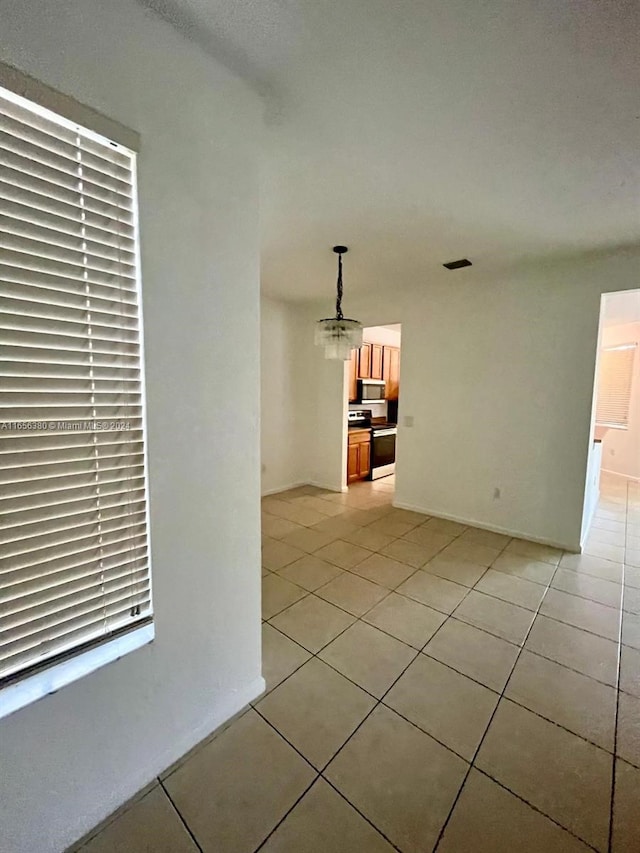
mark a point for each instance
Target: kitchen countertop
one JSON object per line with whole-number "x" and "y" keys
{"x": 374, "y": 423}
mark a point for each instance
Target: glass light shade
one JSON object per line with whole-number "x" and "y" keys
{"x": 338, "y": 337}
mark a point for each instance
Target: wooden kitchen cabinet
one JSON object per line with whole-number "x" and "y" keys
{"x": 353, "y": 376}
{"x": 391, "y": 372}
{"x": 353, "y": 463}
{"x": 375, "y": 361}
{"x": 364, "y": 459}
{"x": 377, "y": 355}
{"x": 358, "y": 455}
{"x": 364, "y": 369}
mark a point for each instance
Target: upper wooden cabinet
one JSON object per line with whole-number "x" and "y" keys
{"x": 364, "y": 370}
{"x": 377, "y": 352}
{"x": 375, "y": 361}
{"x": 391, "y": 372}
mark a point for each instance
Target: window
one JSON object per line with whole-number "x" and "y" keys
{"x": 74, "y": 550}
{"x": 614, "y": 386}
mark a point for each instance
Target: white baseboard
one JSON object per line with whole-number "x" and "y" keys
{"x": 147, "y": 776}
{"x": 330, "y": 487}
{"x": 232, "y": 704}
{"x": 622, "y": 476}
{"x": 319, "y": 485}
{"x": 267, "y": 492}
{"x": 471, "y": 522}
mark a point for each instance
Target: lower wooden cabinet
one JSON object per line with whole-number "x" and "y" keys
{"x": 353, "y": 462}
{"x": 364, "y": 459}
{"x": 358, "y": 455}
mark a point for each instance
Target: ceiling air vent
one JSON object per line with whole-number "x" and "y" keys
{"x": 456, "y": 265}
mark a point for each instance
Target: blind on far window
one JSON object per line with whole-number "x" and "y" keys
{"x": 74, "y": 551}
{"x": 614, "y": 386}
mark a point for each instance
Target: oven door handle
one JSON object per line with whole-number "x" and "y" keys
{"x": 377, "y": 432}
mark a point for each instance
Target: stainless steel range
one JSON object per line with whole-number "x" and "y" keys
{"x": 383, "y": 442}
{"x": 383, "y": 450}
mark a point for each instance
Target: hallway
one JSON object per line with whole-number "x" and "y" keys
{"x": 429, "y": 686}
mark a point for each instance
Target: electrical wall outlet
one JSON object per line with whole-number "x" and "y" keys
{"x": 407, "y": 421}
{"x": 496, "y": 494}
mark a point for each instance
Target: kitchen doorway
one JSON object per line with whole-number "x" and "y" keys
{"x": 372, "y": 397}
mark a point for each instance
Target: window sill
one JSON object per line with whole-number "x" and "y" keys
{"x": 619, "y": 427}
{"x": 22, "y": 693}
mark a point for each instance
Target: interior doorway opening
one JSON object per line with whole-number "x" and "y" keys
{"x": 372, "y": 398}
{"x": 614, "y": 459}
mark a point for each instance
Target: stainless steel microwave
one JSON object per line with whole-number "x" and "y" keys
{"x": 370, "y": 390}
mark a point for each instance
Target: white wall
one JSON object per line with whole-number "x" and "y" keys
{"x": 282, "y": 383}
{"x": 621, "y": 448}
{"x": 592, "y": 490}
{"x": 70, "y": 759}
{"x": 325, "y": 459}
{"x": 498, "y": 376}
{"x": 302, "y": 437}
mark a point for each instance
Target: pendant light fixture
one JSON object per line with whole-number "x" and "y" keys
{"x": 338, "y": 335}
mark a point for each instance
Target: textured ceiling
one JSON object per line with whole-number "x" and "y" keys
{"x": 422, "y": 131}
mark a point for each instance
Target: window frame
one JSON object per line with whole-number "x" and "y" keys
{"x": 50, "y": 675}
{"x": 628, "y": 346}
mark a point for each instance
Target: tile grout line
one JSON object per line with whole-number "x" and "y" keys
{"x": 460, "y": 534}
{"x": 515, "y": 702}
{"x": 179, "y": 813}
{"x": 360, "y": 618}
{"x": 491, "y": 718}
{"x": 395, "y": 589}
{"x": 298, "y": 800}
{"x": 534, "y": 807}
{"x": 443, "y": 663}
{"x": 337, "y": 636}
{"x": 421, "y": 651}
{"x": 378, "y": 702}
{"x": 319, "y": 773}
{"x": 501, "y": 696}
{"x": 617, "y": 711}
{"x": 531, "y": 652}
{"x": 577, "y": 628}
{"x": 368, "y": 820}
{"x": 443, "y": 613}
{"x": 438, "y": 553}
{"x": 470, "y": 764}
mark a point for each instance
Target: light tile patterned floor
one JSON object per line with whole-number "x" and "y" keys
{"x": 429, "y": 686}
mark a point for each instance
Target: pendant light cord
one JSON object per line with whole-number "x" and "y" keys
{"x": 339, "y": 314}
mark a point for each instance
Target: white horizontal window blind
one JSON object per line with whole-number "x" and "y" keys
{"x": 74, "y": 550}
{"x": 614, "y": 386}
